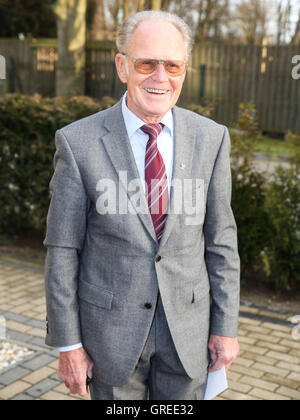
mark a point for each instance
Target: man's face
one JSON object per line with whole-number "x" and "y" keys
{"x": 159, "y": 40}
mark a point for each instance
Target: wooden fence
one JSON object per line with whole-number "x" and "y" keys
{"x": 224, "y": 74}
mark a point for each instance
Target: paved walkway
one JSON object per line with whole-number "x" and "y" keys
{"x": 268, "y": 367}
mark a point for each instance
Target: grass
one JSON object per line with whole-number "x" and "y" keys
{"x": 275, "y": 147}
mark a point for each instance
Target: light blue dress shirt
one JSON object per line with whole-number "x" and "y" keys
{"x": 138, "y": 140}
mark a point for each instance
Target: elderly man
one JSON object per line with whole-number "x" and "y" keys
{"x": 142, "y": 267}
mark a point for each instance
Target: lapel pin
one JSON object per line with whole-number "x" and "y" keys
{"x": 182, "y": 166}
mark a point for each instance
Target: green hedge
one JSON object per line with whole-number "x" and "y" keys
{"x": 266, "y": 207}
{"x": 27, "y": 129}
{"x": 267, "y": 210}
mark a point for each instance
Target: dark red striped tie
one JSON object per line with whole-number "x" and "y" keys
{"x": 156, "y": 179}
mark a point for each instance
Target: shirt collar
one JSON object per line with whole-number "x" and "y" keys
{"x": 134, "y": 123}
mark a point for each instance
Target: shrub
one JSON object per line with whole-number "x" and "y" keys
{"x": 248, "y": 204}
{"x": 267, "y": 211}
{"x": 294, "y": 139}
{"x": 204, "y": 109}
{"x": 248, "y": 190}
{"x": 281, "y": 255}
{"x": 27, "y": 129}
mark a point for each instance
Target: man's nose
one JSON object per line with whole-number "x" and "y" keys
{"x": 160, "y": 74}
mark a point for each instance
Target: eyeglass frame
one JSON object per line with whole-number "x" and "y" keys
{"x": 134, "y": 60}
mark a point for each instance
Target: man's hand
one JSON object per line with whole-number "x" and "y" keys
{"x": 223, "y": 351}
{"x": 74, "y": 367}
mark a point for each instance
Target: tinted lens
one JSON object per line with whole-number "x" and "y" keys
{"x": 145, "y": 66}
{"x": 173, "y": 68}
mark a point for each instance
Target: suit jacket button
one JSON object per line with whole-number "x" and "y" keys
{"x": 158, "y": 258}
{"x": 148, "y": 305}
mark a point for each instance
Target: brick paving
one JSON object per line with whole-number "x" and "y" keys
{"x": 268, "y": 367}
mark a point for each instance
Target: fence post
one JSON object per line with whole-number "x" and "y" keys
{"x": 202, "y": 80}
{"x": 2, "y": 74}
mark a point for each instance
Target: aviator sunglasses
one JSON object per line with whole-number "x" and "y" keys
{"x": 149, "y": 65}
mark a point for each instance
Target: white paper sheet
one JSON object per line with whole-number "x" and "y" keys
{"x": 216, "y": 384}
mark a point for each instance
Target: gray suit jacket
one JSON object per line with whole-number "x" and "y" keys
{"x": 101, "y": 269}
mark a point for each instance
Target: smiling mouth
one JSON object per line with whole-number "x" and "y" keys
{"x": 156, "y": 91}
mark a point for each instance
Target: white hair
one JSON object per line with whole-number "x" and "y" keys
{"x": 131, "y": 24}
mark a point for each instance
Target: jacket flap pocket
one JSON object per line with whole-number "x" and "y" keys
{"x": 95, "y": 295}
{"x": 200, "y": 291}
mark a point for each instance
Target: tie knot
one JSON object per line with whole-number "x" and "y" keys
{"x": 153, "y": 130}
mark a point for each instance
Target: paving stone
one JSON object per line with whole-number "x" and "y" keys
{"x": 243, "y": 361}
{"x": 40, "y": 342}
{"x": 17, "y": 336}
{"x": 266, "y": 395}
{"x": 277, "y": 327}
{"x": 256, "y": 373}
{"x": 38, "y": 362}
{"x": 54, "y": 352}
{"x": 23, "y": 397}
{"x": 37, "y": 332}
{"x": 259, "y": 383}
{"x": 17, "y": 326}
{"x": 294, "y": 352}
{"x": 247, "y": 321}
{"x": 284, "y": 357}
{"x": 288, "y": 382}
{"x": 55, "y": 377}
{"x": 269, "y": 369}
{"x": 56, "y": 396}
{"x": 288, "y": 367}
{"x": 270, "y": 346}
{"x": 239, "y": 387}
{"x": 253, "y": 349}
{"x": 291, "y": 344}
{"x": 41, "y": 388}
{"x": 232, "y": 376}
{"x": 295, "y": 395}
{"x": 281, "y": 334}
{"x": 62, "y": 388}
{"x": 54, "y": 364}
{"x": 295, "y": 376}
{"x": 15, "y": 317}
{"x": 36, "y": 323}
{"x": 22, "y": 308}
{"x": 247, "y": 340}
{"x": 252, "y": 357}
{"x": 262, "y": 337}
{"x": 236, "y": 396}
{"x": 249, "y": 309}
{"x": 13, "y": 374}
{"x": 13, "y": 389}
{"x": 258, "y": 329}
{"x": 38, "y": 375}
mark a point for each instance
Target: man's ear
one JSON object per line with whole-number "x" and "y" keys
{"x": 121, "y": 67}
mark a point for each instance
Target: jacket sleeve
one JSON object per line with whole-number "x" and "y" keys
{"x": 221, "y": 248}
{"x": 66, "y": 227}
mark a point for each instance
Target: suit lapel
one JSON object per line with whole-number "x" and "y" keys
{"x": 117, "y": 146}
{"x": 184, "y": 141}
